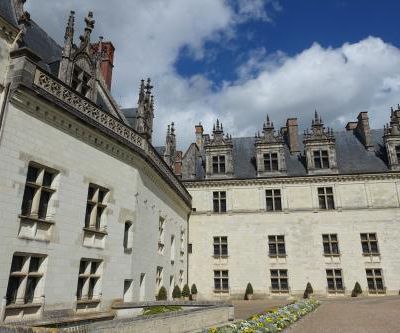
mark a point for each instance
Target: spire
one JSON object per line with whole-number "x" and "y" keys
{"x": 148, "y": 87}
{"x": 69, "y": 30}
{"x": 141, "y": 92}
{"x": 172, "y": 128}
{"x": 85, "y": 38}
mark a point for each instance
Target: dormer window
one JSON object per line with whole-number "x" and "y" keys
{"x": 218, "y": 164}
{"x": 321, "y": 159}
{"x": 271, "y": 162}
{"x": 81, "y": 81}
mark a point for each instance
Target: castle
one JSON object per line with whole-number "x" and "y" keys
{"x": 92, "y": 212}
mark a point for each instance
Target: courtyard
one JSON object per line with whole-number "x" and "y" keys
{"x": 355, "y": 315}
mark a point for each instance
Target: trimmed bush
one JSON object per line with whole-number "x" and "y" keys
{"x": 193, "y": 290}
{"x": 309, "y": 290}
{"x": 176, "y": 293}
{"x": 249, "y": 289}
{"x": 356, "y": 290}
{"x": 162, "y": 294}
{"x": 185, "y": 291}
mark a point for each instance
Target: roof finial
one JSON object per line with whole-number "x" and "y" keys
{"x": 69, "y": 30}
{"x": 148, "y": 86}
{"x": 172, "y": 128}
{"x": 141, "y": 91}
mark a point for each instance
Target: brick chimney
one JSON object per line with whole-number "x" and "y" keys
{"x": 292, "y": 135}
{"x": 362, "y": 130}
{"x": 199, "y": 136}
{"x": 178, "y": 164}
{"x": 107, "y": 63}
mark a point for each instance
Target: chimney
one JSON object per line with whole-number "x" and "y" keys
{"x": 351, "y": 126}
{"x": 178, "y": 164}
{"x": 292, "y": 135}
{"x": 199, "y": 136}
{"x": 107, "y": 62}
{"x": 362, "y": 130}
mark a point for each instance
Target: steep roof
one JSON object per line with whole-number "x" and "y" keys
{"x": 130, "y": 115}
{"x": 352, "y": 157}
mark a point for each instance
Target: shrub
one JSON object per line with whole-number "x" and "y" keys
{"x": 176, "y": 293}
{"x": 185, "y": 291}
{"x": 309, "y": 290}
{"x": 356, "y": 290}
{"x": 162, "y": 294}
{"x": 249, "y": 289}
{"x": 193, "y": 290}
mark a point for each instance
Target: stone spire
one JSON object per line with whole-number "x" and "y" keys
{"x": 269, "y": 133}
{"x": 145, "y": 112}
{"x": 85, "y": 38}
{"x": 318, "y": 131}
{"x": 20, "y": 13}
{"x": 170, "y": 146}
{"x": 65, "y": 63}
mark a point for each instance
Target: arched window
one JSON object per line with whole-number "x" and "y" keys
{"x": 128, "y": 236}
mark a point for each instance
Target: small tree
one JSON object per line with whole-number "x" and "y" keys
{"x": 249, "y": 291}
{"x": 176, "y": 293}
{"x": 185, "y": 291}
{"x": 309, "y": 290}
{"x": 356, "y": 290}
{"x": 193, "y": 290}
{"x": 162, "y": 294}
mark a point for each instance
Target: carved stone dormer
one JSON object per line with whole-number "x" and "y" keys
{"x": 319, "y": 148}
{"x": 270, "y": 154}
{"x": 391, "y": 139}
{"x": 170, "y": 147}
{"x": 79, "y": 66}
{"x": 145, "y": 111}
{"x": 219, "y": 157}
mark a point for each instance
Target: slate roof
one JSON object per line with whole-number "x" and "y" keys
{"x": 352, "y": 157}
{"x": 130, "y": 115}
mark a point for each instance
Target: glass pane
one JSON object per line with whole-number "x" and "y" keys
{"x": 32, "y": 174}
{"x": 222, "y": 168}
{"x": 335, "y": 248}
{"x": 365, "y": 247}
{"x": 34, "y": 264}
{"x": 322, "y": 204}
{"x": 224, "y": 249}
{"x": 274, "y": 165}
{"x": 371, "y": 285}
{"x": 374, "y": 247}
{"x": 274, "y": 272}
{"x": 372, "y": 236}
{"x": 363, "y": 236}
{"x": 331, "y": 284}
{"x": 215, "y": 168}
{"x": 379, "y": 284}
{"x": 333, "y": 237}
{"x": 12, "y": 289}
{"x": 102, "y": 194}
{"x": 216, "y": 250}
{"x": 270, "y": 205}
{"x": 98, "y": 217}
{"x": 327, "y": 249}
{"x": 283, "y": 272}
{"x": 369, "y": 272}
{"x": 217, "y": 273}
{"x": 321, "y": 190}
{"x": 43, "y": 204}
{"x": 272, "y": 249}
{"x": 274, "y": 284}
{"x": 27, "y": 200}
{"x": 328, "y": 190}
{"x": 317, "y": 163}
{"x": 223, "y": 205}
{"x": 225, "y": 273}
{"x": 224, "y": 239}
{"x": 325, "y": 162}
{"x": 280, "y": 238}
{"x": 92, "y": 285}
{"x": 91, "y": 192}
{"x": 325, "y": 238}
{"x": 216, "y": 206}
{"x": 339, "y": 283}
{"x": 278, "y": 204}
{"x": 217, "y": 284}
{"x": 222, "y": 194}
{"x": 281, "y": 248}
{"x": 225, "y": 284}
{"x": 93, "y": 267}
{"x": 47, "y": 179}
{"x": 331, "y": 203}
{"x": 284, "y": 284}
{"x": 268, "y": 193}
{"x": 30, "y": 289}
{"x": 17, "y": 263}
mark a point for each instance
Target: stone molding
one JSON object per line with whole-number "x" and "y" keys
{"x": 109, "y": 123}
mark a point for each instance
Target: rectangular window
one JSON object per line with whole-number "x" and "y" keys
{"x": 334, "y": 280}
{"x": 190, "y": 248}
{"x": 95, "y": 207}
{"x": 219, "y": 202}
{"x": 321, "y": 159}
{"x": 325, "y": 198}
{"x": 369, "y": 244}
{"x": 375, "y": 280}
{"x": 398, "y": 154}
{"x": 276, "y": 246}
{"x": 218, "y": 163}
{"x": 273, "y": 200}
{"x": 38, "y": 192}
{"x": 221, "y": 281}
{"x": 271, "y": 162}
{"x": 161, "y": 227}
{"x": 221, "y": 246}
{"x": 159, "y": 277}
{"x": 331, "y": 244}
{"x": 25, "y": 274}
{"x": 279, "y": 280}
{"x": 88, "y": 287}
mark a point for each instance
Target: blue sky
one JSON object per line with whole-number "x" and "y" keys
{"x": 239, "y": 60}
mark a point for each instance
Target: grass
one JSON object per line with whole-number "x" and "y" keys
{"x": 152, "y": 310}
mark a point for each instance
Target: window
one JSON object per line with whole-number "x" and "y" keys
{"x": 279, "y": 280}
{"x": 271, "y": 162}
{"x": 128, "y": 290}
{"x": 181, "y": 278}
{"x": 25, "y": 276}
{"x": 331, "y": 244}
{"x": 375, "y": 280}
{"x": 190, "y": 248}
{"x": 276, "y": 245}
{"x": 369, "y": 244}
{"x": 89, "y": 279}
{"x": 321, "y": 159}
{"x": 128, "y": 236}
{"x": 325, "y": 198}
{"x": 161, "y": 225}
{"x": 220, "y": 246}
{"x": 334, "y": 280}
{"x": 182, "y": 250}
{"x": 38, "y": 191}
{"x": 159, "y": 277}
{"x": 397, "y": 149}
{"x": 80, "y": 81}
{"x": 218, "y": 163}
{"x": 172, "y": 249}
{"x": 95, "y": 207}
{"x": 219, "y": 202}
{"x": 221, "y": 281}
{"x": 273, "y": 199}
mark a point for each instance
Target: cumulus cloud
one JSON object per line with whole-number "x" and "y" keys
{"x": 149, "y": 36}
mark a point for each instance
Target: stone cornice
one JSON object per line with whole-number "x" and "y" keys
{"x": 56, "y": 92}
{"x": 292, "y": 180}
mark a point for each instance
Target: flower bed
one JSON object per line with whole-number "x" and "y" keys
{"x": 272, "y": 321}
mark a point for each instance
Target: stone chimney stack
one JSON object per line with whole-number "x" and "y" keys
{"x": 199, "y": 136}
{"x": 292, "y": 135}
{"x": 107, "y": 60}
{"x": 362, "y": 130}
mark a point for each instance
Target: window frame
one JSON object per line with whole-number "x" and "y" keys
{"x": 220, "y": 245}
{"x": 89, "y": 280}
{"x": 219, "y": 202}
{"x": 276, "y": 241}
{"x": 218, "y": 164}
{"x": 368, "y": 241}
{"x": 221, "y": 281}
{"x": 275, "y": 198}
{"x": 327, "y": 240}
{"x": 271, "y": 162}
{"x": 95, "y": 207}
{"x": 324, "y": 202}
{"x": 335, "y": 275}
{"x": 377, "y": 275}
{"x": 281, "y": 275}
{"x": 321, "y": 159}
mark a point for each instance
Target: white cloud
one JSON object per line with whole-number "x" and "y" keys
{"x": 148, "y": 35}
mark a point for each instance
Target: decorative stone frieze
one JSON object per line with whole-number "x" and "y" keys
{"x": 391, "y": 139}
{"x": 219, "y": 150}
{"x": 319, "y": 148}
{"x": 270, "y": 154}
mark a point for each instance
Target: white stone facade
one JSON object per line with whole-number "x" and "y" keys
{"x": 363, "y": 204}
